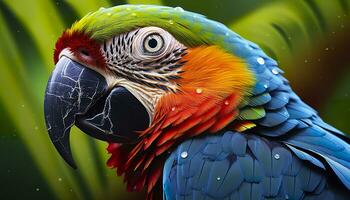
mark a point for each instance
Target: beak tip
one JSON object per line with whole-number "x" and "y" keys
{"x": 74, "y": 166}
{"x": 65, "y": 152}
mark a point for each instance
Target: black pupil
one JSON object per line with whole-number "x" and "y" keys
{"x": 152, "y": 43}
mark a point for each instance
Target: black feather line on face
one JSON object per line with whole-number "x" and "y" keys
{"x": 172, "y": 67}
{"x": 111, "y": 49}
{"x": 104, "y": 46}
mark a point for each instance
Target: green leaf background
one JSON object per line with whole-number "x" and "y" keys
{"x": 309, "y": 38}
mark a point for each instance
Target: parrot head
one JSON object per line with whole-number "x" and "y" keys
{"x": 144, "y": 78}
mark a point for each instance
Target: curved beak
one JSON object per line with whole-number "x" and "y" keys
{"x": 71, "y": 90}
{"x": 77, "y": 95}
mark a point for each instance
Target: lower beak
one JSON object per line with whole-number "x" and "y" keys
{"x": 71, "y": 90}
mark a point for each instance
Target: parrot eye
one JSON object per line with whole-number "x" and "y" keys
{"x": 153, "y": 43}
{"x": 149, "y": 43}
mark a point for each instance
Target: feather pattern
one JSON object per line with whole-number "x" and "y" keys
{"x": 204, "y": 104}
{"x": 232, "y": 165}
{"x": 274, "y": 120}
{"x": 290, "y": 121}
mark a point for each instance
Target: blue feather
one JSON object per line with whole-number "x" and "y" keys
{"x": 274, "y": 118}
{"x": 280, "y": 129}
{"x": 298, "y": 112}
{"x": 305, "y": 156}
{"x": 325, "y": 144}
{"x": 259, "y": 100}
{"x": 342, "y": 172}
{"x": 261, "y": 169}
{"x": 259, "y": 88}
{"x": 278, "y": 100}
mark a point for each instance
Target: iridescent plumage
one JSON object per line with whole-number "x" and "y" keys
{"x": 232, "y": 128}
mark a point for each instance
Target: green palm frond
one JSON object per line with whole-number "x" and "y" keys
{"x": 337, "y": 109}
{"x": 286, "y": 29}
{"x": 22, "y": 111}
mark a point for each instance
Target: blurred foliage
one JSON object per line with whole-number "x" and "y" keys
{"x": 309, "y": 38}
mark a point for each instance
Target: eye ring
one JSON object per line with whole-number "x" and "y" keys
{"x": 153, "y": 44}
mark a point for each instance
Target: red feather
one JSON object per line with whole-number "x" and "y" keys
{"x": 164, "y": 147}
{"x": 166, "y": 136}
{"x": 222, "y": 122}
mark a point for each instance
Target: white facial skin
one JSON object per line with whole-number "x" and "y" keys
{"x": 145, "y": 61}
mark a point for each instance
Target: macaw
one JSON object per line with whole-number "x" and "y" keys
{"x": 190, "y": 109}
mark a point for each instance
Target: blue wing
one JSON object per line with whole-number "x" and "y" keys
{"x": 238, "y": 166}
{"x": 292, "y": 122}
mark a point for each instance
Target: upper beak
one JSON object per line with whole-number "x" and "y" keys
{"x": 71, "y": 90}
{"x": 77, "y": 95}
